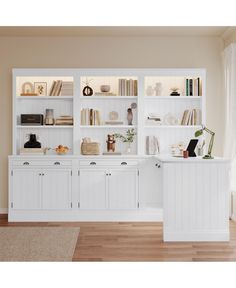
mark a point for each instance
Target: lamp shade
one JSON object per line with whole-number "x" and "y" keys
{"x": 198, "y": 133}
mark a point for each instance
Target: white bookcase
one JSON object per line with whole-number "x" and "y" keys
{"x": 71, "y": 136}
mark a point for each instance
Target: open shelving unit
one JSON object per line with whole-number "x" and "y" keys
{"x": 71, "y": 136}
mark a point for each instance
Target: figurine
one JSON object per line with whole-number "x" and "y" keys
{"x": 111, "y": 143}
{"x": 87, "y": 91}
{"x": 130, "y": 116}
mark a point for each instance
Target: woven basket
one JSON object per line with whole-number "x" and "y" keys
{"x": 92, "y": 148}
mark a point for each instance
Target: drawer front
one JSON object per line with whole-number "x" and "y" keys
{"x": 120, "y": 163}
{"x": 52, "y": 163}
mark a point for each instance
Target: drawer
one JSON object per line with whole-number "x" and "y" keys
{"x": 121, "y": 163}
{"x": 52, "y": 163}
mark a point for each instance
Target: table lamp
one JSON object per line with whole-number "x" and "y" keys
{"x": 199, "y": 133}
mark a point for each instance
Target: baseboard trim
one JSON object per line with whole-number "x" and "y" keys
{"x": 3, "y": 211}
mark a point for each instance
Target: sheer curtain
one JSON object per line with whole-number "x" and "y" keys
{"x": 229, "y": 56}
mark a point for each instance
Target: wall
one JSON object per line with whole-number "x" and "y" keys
{"x": 128, "y": 52}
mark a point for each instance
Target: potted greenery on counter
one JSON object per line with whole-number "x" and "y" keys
{"x": 127, "y": 138}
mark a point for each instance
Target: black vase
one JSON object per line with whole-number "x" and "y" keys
{"x": 32, "y": 143}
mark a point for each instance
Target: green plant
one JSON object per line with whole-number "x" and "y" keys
{"x": 129, "y": 136}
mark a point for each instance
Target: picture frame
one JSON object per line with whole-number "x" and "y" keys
{"x": 40, "y": 88}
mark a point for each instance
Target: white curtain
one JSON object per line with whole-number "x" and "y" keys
{"x": 229, "y": 56}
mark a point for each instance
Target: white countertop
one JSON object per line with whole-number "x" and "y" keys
{"x": 172, "y": 159}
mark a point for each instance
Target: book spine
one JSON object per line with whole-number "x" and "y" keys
{"x": 186, "y": 87}
{"x": 190, "y": 87}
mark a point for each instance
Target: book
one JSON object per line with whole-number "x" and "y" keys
{"x": 111, "y": 153}
{"x": 31, "y": 151}
{"x": 111, "y": 122}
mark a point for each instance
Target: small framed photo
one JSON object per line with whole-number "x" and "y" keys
{"x": 40, "y": 88}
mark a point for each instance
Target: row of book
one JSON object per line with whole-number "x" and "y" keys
{"x": 61, "y": 88}
{"x": 64, "y": 120}
{"x": 193, "y": 87}
{"x": 90, "y": 117}
{"x": 191, "y": 117}
{"x": 127, "y": 87}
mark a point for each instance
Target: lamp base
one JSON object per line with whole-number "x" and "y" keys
{"x": 207, "y": 156}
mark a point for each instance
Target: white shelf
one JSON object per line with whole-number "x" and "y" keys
{"x": 108, "y": 97}
{"x": 44, "y": 127}
{"x": 172, "y": 97}
{"x": 172, "y": 126}
{"x": 107, "y": 126}
{"x": 45, "y": 97}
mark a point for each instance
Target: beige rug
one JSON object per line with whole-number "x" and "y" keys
{"x": 37, "y": 243}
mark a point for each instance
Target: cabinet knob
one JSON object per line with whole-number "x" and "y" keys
{"x": 109, "y": 174}
{"x": 158, "y": 165}
{"x": 40, "y": 174}
{"x": 92, "y": 163}
{"x": 123, "y": 163}
{"x": 26, "y": 163}
{"x": 57, "y": 163}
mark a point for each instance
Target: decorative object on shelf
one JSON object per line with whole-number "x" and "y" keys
{"x": 177, "y": 149}
{"x": 111, "y": 142}
{"x": 113, "y": 115}
{"x": 170, "y": 119}
{"x": 200, "y": 148}
{"x": 153, "y": 119}
{"x": 185, "y": 154}
{"x": 152, "y": 145}
{"x": 199, "y": 133}
{"x": 49, "y": 118}
{"x": 174, "y": 91}
{"x": 129, "y": 116}
{"x": 158, "y": 88}
{"x": 133, "y": 105}
{"x": 64, "y": 120}
{"x": 105, "y": 88}
{"x": 128, "y": 138}
{"x": 149, "y": 91}
{"x": 87, "y": 91}
{"x": 32, "y": 142}
{"x": 27, "y": 89}
{"x": 61, "y": 150}
{"x": 89, "y": 148}
{"x": 40, "y": 88}
{"x": 31, "y": 119}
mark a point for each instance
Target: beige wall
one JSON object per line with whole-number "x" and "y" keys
{"x": 143, "y": 52}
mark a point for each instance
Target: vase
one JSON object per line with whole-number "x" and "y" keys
{"x": 128, "y": 148}
{"x": 32, "y": 143}
{"x": 158, "y": 89}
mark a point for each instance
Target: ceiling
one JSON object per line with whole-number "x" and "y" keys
{"x": 115, "y": 31}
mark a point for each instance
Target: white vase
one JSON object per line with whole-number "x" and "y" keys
{"x": 128, "y": 148}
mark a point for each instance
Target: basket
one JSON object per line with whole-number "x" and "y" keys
{"x": 92, "y": 148}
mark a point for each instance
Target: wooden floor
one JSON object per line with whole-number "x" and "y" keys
{"x": 142, "y": 241}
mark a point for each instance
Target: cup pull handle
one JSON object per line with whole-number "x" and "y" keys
{"x": 123, "y": 163}
{"x": 92, "y": 163}
{"x": 57, "y": 163}
{"x": 26, "y": 163}
{"x": 158, "y": 165}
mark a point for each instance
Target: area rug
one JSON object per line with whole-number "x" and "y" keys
{"x": 37, "y": 243}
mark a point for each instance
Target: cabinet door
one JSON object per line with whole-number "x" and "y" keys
{"x": 93, "y": 187}
{"x": 123, "y": 189}
{"x": 26, "y": 185}
{"x": 56, "y": 189}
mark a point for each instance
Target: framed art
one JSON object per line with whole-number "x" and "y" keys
{"x": 40, "y": 88}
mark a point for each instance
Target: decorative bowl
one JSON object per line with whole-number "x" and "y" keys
{"x": 105, "y": 88}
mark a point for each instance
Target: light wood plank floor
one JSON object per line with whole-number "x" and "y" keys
{"x": 142, "y": 241}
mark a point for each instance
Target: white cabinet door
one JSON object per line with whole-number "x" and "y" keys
{"x": 56, "y": 189}
{"x": 92, "y": 188}
{"x": 26, "y": 185}
{"x": 122, "y": 189}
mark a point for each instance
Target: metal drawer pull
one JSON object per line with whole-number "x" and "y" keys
{"x": 26, "y": 163}
{"x": 123, "y": 163}
{"x": 92, "y": 163}
{"x": 158, "y": 165}
{"x": 57, "y": 163}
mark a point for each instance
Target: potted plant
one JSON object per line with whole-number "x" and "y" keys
{"x": 127, "y": 138}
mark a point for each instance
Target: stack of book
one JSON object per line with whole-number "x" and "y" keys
{"x": 64, "y": 120}
{"x": 90, "y": 117}
{"x": 193, "y": 87}
{"x": 191, "y": 117}
{"x": 32, "y": 151}
{"x": 114, "y": 122}
{"x": 104, "y": 94}
{"x": 153, "y": 119}
{"x": 127, "y": 87}
{"x": 67, "y": 88}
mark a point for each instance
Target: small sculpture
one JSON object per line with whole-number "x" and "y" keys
{"x": 87, "y": 91}
{"x": 158, "y": 88}
{"x": 111, "y": 143}
{"x": 130, "y": 116}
